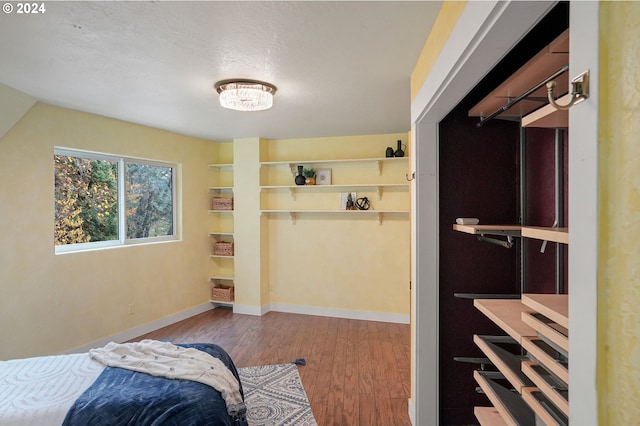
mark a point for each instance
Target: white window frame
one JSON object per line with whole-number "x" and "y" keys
{"x": 122, "y": 239}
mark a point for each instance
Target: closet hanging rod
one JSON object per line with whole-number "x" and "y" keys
{"x": 524, "y": 95}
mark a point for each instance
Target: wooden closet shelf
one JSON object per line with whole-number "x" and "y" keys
{"x": 508, "y": 363}
{"x": 512, "y": 408}
{"x": 507, "y": 314}
{"x": 543, "y": 408}
{"x": 552, "y": 58}
{"x": 557, "y": 235}
{"x": 552, "y": 388}
{"x": 488, "y": 416}
{"x": 553, "y": 306}
{"x": 513, "y": 230}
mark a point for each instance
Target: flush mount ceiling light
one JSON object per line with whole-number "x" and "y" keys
{"x": 245, "y": 95}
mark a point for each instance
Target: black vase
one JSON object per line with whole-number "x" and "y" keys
{"x": 399, "y": 152}
{"x": 389, "y": 152}
{"x": 300, "y": 180}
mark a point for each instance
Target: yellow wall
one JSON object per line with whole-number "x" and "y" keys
{"x": 444, "y": 24}
{"x": 52, "y": 303}
{"x": 335, "y": 261}
{"x": 619, "y": 248}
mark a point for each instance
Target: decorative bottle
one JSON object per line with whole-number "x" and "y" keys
{"x": 399, "y": 152}
{"x": 300, "y": 179}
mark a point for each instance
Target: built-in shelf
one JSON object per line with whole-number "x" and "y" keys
{"x": 379, "y": 213}
{"x": 555, "y": 334}
{"x": 221, "y": 188}
{"x": 553, "y": 306}
{"x": 221, "y": 278}
{"x": 221, "y": 302}
{"x": 220, "y": 256}
{"x": 507, "y": 314}
{"x": 548, "y": 116}
{"x": 221, "y": 166}
{"x": 378, "y": 162}
{"x": 551, "y": 59}
{"x": 488, "y": 416}
{"x": 293, "y": 189}
{"x": 221, "y": 234}
{"x": 220, "y": 211}
{"x": 557, "y": 235}
{"x": 552, "y": 388}
{"x": 506, "y": 362}
{"x": 512, "y": 230}
{"x": 554, "y": 361}
{"x": 543, "y": 408}
{"x": 511, "y": 407}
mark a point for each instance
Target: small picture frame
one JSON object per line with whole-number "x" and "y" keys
{"x": 344, "y": 196}
{"x": 323, "y": 177}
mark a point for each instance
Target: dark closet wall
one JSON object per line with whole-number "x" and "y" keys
{"x": 478, "y": 178}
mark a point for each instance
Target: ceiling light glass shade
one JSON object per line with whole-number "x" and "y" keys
{"x": 245, "y": 95}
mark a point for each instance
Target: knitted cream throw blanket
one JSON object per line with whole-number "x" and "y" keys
{"x": 174, "y": 362}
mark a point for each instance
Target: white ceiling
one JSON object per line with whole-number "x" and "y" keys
{"x": 341, "y": 68}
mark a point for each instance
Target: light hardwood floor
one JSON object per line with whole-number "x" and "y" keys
{"x": 357, "y": 372}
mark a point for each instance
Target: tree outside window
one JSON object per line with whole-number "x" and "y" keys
{"x": 98, "y": 197}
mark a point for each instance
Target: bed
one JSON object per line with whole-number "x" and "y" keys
{"x": 79, "y": 389}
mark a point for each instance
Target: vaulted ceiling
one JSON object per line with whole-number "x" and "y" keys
{"x": 340, "y": 67}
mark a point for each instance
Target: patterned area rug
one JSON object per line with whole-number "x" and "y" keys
{"x": 274, "y": 396}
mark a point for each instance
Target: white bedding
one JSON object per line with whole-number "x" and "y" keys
{"x": 39, "y": 391}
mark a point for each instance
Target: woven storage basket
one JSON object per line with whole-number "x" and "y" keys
{"x": 223, "y": 248}
{"x": 220, "y": 203}
{"x": 222, "y": 294}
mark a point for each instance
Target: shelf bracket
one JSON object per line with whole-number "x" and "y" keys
{"x": 380, "y": 188}
{"x": 293, "y": 217}
{"x": 380, "y": 217}
{"x": 379, "y": 163}
{"x": 292, "y": 191}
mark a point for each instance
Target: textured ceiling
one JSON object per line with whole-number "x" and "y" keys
{"x": 341, "y": 68}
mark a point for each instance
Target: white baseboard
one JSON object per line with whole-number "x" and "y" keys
{"x": 340, "y": 313}
{"x": 250, "y": 310}
{"x": 145, "y": 328}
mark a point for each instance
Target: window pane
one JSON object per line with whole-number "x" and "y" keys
{"x": 86, "y": 200}
{"x": 149, "y": 198}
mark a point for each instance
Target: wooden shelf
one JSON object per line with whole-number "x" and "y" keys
{"x": 379, "y": 213}
{"x": 221, "y": 278}
{"x": 548, "y": 116}
{"x": 221, "y": 188}
{"x": 543, "y": 408}
{"x": 511, "y": 407}
{"x": 557, "y": 235}
{"x": 551, "y": 59}
{"x": 546, "y": 356}
{"x": 221, "y": 302}
{"x": 507, "y": 363}
{"x": 552, "y": 306}
{"x": 379, "y": 162}
{"x": 221, "y": 234}
{"x": 552, "y": 388}
{"x": 507, "y": 314}
{"x": 221, "y": 166}
{"x": 513, "y": 230}
{"x": 548, "y": 330}
{"x": 488, "y": 416}
{"x": 379, "y": 187}
{"x": 219, "y": 256}
{"x": 220, "y": 211}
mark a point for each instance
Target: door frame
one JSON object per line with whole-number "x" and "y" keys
{"x": 483, "y": 34}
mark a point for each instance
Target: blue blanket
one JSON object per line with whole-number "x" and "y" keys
{"x": 123, "y": 397}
